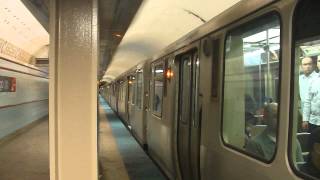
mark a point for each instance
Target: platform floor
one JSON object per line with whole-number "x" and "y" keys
{"x": 25, "y": 156}
{"x": 121, "y": 157}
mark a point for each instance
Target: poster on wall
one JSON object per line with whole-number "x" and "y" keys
{"x": 7, "y": 84}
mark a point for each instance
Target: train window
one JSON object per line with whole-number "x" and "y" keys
{"x": 131, "y": 89}
{"x": 139, "y": 89}
{"x": 120, "y": 91}
{"x": 251, "y": 86}
{"x": 305, "y": 124}
{"x": 157, "y": 72}
{"x": 123, "y": 92}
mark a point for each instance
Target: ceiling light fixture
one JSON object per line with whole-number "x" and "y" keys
{"x": 118, "y": 35}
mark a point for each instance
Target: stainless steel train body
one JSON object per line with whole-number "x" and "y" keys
{"x": 196, "y": 94}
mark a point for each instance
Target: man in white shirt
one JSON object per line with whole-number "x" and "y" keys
{"x": 318, "y": 62}
{"x": 304, "y": 79}
{"x": 304, "y": 86}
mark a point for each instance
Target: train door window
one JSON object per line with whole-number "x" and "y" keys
{"x": 123, "y": 92}
{"x": 157, "y": 72}
{"x": 131, "y": 89}
{"x": 305, "y": 116}
{"x": 251, "y": 87}
{"x": 120, "y": 91}
{"x": 185, "y": 89}
{"x": 139, "y": 89}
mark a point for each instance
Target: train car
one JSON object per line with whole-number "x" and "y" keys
{"x": 138, "y": 97}
{"x": 122, "y": 99}
{"x": 223, "y": 101}
{"x": 114, "y": 97}
{"x": 131, "y": 103}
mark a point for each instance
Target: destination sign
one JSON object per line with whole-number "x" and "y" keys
{"x": 7, "y": 84}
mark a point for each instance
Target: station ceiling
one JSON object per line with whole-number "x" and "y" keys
{"x": 21, "y": 30}
{"x": 115, "y": 17}
{"x": 156, "y": 25}
{"x": 25, "y": 24}
{"x": 131, "y": 31}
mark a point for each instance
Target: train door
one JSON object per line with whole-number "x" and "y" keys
{"x": 188, "y": 122}
{"x": 130, "y": 103}
{"x": 138, "y": 126}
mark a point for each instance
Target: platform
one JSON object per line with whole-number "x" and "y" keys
{"x": 24, "y": 155}
{"x": 121, "y": 157}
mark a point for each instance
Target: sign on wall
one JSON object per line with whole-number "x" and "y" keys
{"x": 12, "y": 52}
{"x": 7, "y": 84}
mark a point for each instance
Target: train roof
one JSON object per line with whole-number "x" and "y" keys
{"x": 234, "y": 13}
{"x": 238, "y": 11}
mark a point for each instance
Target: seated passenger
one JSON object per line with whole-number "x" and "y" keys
{"x": 312, "y": 167}
{"x": 250, "y": 111}
{"x": 264, "y": 144}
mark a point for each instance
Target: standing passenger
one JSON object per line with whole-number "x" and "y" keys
{"x": 305, "y": 78}
{"x": 304, "y": 84}
{"x": 311, "y": 107}
{"x": 318, "y": 63}
{"x": 268, "y": 55}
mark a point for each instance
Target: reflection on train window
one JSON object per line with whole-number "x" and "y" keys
{"x": 157, "y": 89}
{"x": 305, "y": 132}
{"x": 251, "y": 85}
{"x": 132, "y": 81}
{"x": 139, "y": 89}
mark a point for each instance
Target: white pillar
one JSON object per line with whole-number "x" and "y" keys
{"x": 73, "y": 89}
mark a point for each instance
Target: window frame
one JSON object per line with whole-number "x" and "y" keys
{"x": 226, "y": 35}
{"x": 292, "y": 92}
{"x": 153, "y": 65}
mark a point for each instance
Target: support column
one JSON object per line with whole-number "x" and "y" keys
{"x": 73, "y": 90}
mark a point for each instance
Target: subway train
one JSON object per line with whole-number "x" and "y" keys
{"x": 23, "y": 96}
{"x": 200, "y": 106}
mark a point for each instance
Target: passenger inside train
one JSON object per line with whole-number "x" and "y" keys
{"x": 306, "y": 76}
{"x": 158, "y": 86}
{"x": 307, "y": 116}
{"x": 263, "y": 145}
{"x": 252, "y": 78}
{"x": 310, "y": 103}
